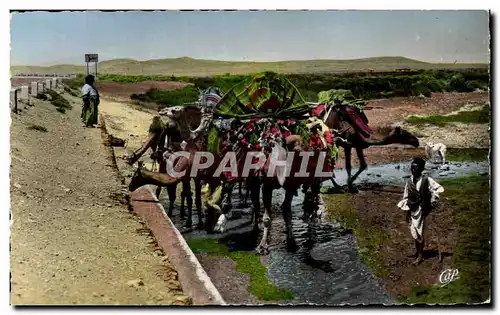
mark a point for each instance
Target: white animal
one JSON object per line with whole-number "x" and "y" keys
{"x": 435, "y": 152}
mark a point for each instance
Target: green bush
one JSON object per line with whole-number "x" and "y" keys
{"x": 188, "y": 94}
{"x": 367, "y": 86}
{"x": 70, "y": 91}
{"x": 480, "y": 116}
{"x": 75, "y": 83}
{"x": 58, "y": 101}
{"x": 42, "y": 96}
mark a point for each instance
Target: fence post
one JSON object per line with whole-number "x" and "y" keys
{"x": 34, "y": 89}
{"x": 13, "y": 100}
{"x": 25, "y": 95}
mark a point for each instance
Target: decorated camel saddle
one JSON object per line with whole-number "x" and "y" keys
{"x": 346, "y": 107}
{"x": 263, "y": 111}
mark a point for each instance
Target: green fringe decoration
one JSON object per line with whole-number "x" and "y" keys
{"x": 214, "y": 141}
{"x": 157, "y": 125}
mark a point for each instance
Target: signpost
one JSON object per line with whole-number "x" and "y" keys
{"x": 92, "y": 58}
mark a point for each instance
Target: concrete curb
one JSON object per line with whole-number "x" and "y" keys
{"x": 193, "y": 279}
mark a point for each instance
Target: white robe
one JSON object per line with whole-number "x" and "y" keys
{"x": 88, "y": 90}
{"x": 417, "y": 219}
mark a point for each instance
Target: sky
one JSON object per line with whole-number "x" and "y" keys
{"x": 46, "y": 38}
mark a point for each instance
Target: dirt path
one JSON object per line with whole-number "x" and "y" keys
{"x": 72, "y": 240}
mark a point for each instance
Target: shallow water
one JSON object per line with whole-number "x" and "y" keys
{"x": 327, "y": 268}
{"x": 396, "y": 173}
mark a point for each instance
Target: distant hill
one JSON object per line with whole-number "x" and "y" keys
{"x": 198, "y": 67}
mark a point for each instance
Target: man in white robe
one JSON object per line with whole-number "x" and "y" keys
{"x": 420, "y": 196}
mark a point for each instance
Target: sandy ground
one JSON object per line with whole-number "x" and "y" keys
{"x": 73, "y": 241}
{"x": 130, "y": 123}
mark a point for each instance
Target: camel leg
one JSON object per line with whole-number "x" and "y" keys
{"x": 210, "y": 219}
{"x": 240, "y": 187}
{"x": 183, "y": 199}
{"x": 362, "y": 164}
{"x": 291, "y": 245}
{"x": 267, "y": 196}
{"x": 315, "y": 190}
{"x": 197, "y": 193}
{"x": 186, "y": 191}
{"x": 244, "y": 198}
{"x": 336, "y": 186}
{"x": 348, "y": 166}
{"x": 163, "y": 170}
{"x": 247, "y": 192}
{"x": 225, "y": 207}
{"x": 172, "y": 195}
{"x": 253, "y": 186}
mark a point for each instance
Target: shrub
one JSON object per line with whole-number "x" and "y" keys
{"x": 188, "y": 94}
{"x": 59, "y": 101}
{"x": 42, "y": 96}
{"x": 38, "y": 128}
{"x": 368, "y": 86}
{"x": 75, "y": 83}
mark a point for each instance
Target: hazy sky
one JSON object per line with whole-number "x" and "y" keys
{"x": 44, "y": 38}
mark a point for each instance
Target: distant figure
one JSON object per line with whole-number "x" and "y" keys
{"x": 420, "y": 196}
{"x": 91, "y": 101}
{"x": 435, "y": 152}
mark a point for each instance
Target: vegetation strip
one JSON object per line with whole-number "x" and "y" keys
{"x": 369, "y": 86}
{"x": 248, "y": 263}
{"x": 470, "y": 200}
{"x": 479, "y": 116}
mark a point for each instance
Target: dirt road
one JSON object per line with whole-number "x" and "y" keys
{"x": 72, "y": 240}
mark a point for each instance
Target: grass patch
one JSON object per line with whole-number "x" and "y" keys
{"x": 470, "y": 200}
{"x": 70, "y": 91}
{"x": 370, "y": 238}
{"x": 37, "y": 127}
{"x": 366, "y": 85}
{"x": 58, "y": 101}
{"x": 188, "y": 94}
{"x": 480, "y": 116}
{"x": 248, "y": 263}
{"x": 42, "y": 96}
{"x": 467, "y": 154}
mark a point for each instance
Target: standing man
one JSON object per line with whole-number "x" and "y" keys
{"x": 420, "y": 197}
{"x": 91, "y": 101}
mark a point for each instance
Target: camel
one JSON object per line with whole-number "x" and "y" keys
{"x": 165, "y": 136}
{"x": 359, "y": 140}
{"x": 162, "y": 179}
{"x": 183, "y": 123}
{"x": 254, "y": 183}
{"x": 291, "y": 184}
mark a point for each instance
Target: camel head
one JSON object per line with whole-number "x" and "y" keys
{"x": 401, "y": 136}
{"x": 173, "y": 112}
